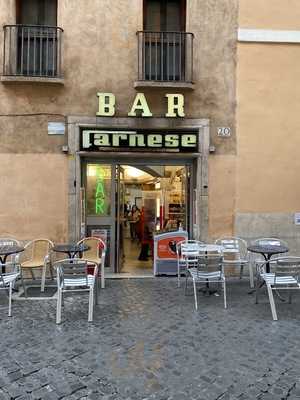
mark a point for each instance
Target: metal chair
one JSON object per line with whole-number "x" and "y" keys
{"x": 256, "y": 259}
{"x": 95, "y": 254}
{"x": 37, "y": 255}
{"x": 284, "y": 275}
{"x": 235, "y": 254}
{"x": 186, "y": 252}
{"x": 209, "y": 269}
{"x": 73, "y": 276}
{"x": 8, "y": 279}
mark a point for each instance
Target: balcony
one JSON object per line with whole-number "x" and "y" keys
{"x": 165, "y": 59}
{"x": 32, "y": 53}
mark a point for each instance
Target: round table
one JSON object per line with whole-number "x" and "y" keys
{"x": 70, "y": 249}
{"x": 267, "y": 251}
{"x": 8, "y": 250}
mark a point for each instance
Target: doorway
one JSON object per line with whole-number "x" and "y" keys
{"x": 128, "y": 204}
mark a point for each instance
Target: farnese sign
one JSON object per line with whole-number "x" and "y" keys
{"x": 169, "y": 141}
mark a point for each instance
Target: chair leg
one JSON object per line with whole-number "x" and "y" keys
{"x": 102, "y": 276}
{"x": 251, "y": 276}
{"x": 32, "y": 274}
{"x": 186, "y": 282}
{"x": 224, "y": 290}
{"x": 272, "y": 303}
{"x": 91, "y": 304}
{"x": 195, "y": 294}
{"x": 241, "y": 271}
{"x": 178, "y": 274}
{"x": 43, "y": 278}
{"x": 58, "y": 308}
{"x": 51, "y": 271}
{"x": 96, "y": 290}
{"x": 257, "y": 284}
{"x": 9, "y": 299}
{"x": 23, "y": 284}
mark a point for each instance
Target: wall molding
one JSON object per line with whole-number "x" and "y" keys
{"x": 268, "y": 35}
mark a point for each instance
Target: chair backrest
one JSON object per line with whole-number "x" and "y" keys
{"x": 234, "y": 246}
{"x": 74, "y": 268}
{"x": 39, "y": 249}
{"x": 210, "y": 260}
{"x": 97, "y": 248}
{"x": 286, "y": 266}
{"x": 188, "y": 250}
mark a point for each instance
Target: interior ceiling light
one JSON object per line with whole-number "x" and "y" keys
{"x": 91, "y": 170}
{"x": 133, "y": 172}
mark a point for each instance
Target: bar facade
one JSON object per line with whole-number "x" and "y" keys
{"x": 118, "y": 68}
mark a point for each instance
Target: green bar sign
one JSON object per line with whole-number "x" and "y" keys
{"x": 101, "y": 140}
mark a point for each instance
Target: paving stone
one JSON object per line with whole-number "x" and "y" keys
{"x": 148, "y": 343}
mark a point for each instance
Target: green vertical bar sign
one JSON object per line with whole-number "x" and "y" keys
{"x": 100, "y": 193}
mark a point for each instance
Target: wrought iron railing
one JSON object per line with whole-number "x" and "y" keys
{"x": 32, "y": 51}
{"x": 165, "y": 56}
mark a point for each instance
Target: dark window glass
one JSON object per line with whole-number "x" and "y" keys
{"x": 164, "y": 15}
{"x": 37, "y": 12}
{"x": 37, "y": 45}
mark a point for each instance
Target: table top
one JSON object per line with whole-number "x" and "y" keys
{"x": 267, "y": 249}
{"x": 70, "y": 247}
{"x": 211, "y": 247}
{"x": 7, "y": 249}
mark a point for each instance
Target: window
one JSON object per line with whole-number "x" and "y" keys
{"x": 164, "y": 15}
{"x": 164, "y": 40}
{"x": 37, "y": 12}
{"x": 37, "y": 38}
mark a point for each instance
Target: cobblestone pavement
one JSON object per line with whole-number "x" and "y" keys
{"x": 148, "y": 342}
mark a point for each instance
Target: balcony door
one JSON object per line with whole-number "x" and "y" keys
{"x": 36, "y": 37}
{"x": 164, "y": 23}
{"x": 164, "y": 15}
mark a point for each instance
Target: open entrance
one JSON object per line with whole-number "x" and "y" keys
{"x": 128, "y": 204}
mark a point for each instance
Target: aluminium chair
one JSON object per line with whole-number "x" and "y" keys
{"x": 256, "y": 259}
{"x": 95, "y": 254}
{"x": 73, "y": 275}
{"x": 186, "y": 253}
{"x": 37, "y": 255}
{"x": 284, "y": 275}
{"x": 8, "y": 279}
{"x": 235, "y": 254}
{"x": 209, "y": 269}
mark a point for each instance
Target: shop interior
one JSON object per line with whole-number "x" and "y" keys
{"x": 152, "y": 199}
{"x": 127, "y": 205}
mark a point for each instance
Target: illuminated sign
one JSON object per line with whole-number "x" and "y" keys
{"x": 101, "y": 140}
{"x": 140, "y": 107}
{"x": 100, "y": 206}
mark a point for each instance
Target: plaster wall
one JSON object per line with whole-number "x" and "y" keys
{"x": 100, "y": 54}
{"x": 222, "y": 188}
{"x": 269, "y": 14}
{"x": 33, "y": 196}
{"x": 268, "y": 118}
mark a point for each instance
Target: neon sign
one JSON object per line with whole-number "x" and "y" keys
{"x": 100, "y": 192}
